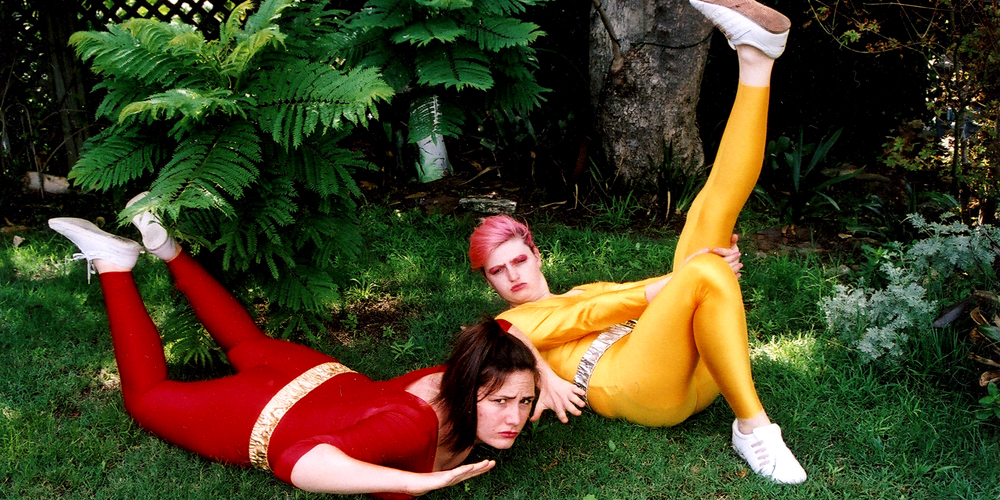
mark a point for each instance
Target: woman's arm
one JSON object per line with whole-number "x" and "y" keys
{"x": 731, "y": 255}
{"x": 556, "y": 394}
{"x": 326, "y": 469}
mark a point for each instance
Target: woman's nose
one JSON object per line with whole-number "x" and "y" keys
{"x": 514, "y": 416}
{"x": 512, "y": 274}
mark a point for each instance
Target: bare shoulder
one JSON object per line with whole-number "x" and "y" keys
{"x": 427, "y": 387}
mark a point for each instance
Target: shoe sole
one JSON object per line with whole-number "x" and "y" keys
{"x": 742, "y": 30}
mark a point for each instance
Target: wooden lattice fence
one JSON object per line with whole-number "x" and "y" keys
{"x": 205, "y": 14}
{"x": 47, "y": 109}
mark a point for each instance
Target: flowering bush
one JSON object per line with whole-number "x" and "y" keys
{"x": 881, "y": 320}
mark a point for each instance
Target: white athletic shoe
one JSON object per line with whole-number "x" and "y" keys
{"x": 154, "y": 235}
{"x": 96, "y": 244}
{"x": 766, "y": 453}
{"x": 746, "y": 22}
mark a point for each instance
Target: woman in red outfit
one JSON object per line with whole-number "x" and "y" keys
{"x": 297, "y": 412}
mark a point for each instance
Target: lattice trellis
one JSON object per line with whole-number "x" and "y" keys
{"x": 206, "y": 14}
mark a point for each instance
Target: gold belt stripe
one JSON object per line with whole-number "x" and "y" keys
{"x": 604, "y": 340}
{"x": 276, "y": 408}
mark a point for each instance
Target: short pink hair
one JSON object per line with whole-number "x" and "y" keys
{"x": 492, "y": 232}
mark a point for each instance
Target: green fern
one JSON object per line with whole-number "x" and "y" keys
{"x": 497, "y": 33}
{"x": 472, "y": 55}
{"x": 458, "y": 66}
{"x": 430, "y": 116}
{"x": 238, "y": 141}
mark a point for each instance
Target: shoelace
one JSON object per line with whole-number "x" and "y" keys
{"x": 90, "y": 264}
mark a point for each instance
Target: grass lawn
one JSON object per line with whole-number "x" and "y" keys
{"x": 860, "y": 432}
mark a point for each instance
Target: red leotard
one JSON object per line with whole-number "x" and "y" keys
{"x": 377, "y": 422}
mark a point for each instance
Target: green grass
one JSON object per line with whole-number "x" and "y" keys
{"x": 860, "y": 432}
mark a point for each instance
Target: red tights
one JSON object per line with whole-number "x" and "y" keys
{"x": 213, "y": 418}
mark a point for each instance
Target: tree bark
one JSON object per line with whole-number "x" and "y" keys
{"x": 644, "y": 102}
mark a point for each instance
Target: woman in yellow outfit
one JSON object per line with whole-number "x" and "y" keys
{"x": 688, "y": 341}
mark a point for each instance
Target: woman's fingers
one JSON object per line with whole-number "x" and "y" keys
{"x": 561, "y": 397}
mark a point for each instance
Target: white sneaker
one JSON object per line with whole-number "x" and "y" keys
{"x": 746, "y": 22}
{"x": 154, "y": 235}
{"x": 766, "y": 453}
{"x": 96, "y": 244}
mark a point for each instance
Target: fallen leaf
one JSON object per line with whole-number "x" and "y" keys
{"x": 987, "y": 377}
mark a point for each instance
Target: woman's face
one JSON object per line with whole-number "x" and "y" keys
{"x": 502, "y": 413}
{"x": 515, "y": 272}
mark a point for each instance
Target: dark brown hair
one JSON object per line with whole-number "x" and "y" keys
{"x": 482, "y": 358}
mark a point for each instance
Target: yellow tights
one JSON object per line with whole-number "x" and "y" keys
{"x": 690, "y": 344}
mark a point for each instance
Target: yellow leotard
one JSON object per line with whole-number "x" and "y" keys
{"x": 690, "y": 343}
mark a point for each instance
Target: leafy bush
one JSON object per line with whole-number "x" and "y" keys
{"x": 238, "y": 140}
{"x": 794, "y": 189}
{"x": 448, "y": 57}
{"x": 880, "y": 314}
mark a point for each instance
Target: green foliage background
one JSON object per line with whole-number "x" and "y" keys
{"x": 239, "y": 142}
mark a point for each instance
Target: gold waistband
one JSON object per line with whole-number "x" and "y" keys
{"x": 276, "y": 408}
{"x": 606, "y": 339}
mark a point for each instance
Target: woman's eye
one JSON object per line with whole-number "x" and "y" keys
{"x": 501, "y": 401}
{"x": 527, "y": 401}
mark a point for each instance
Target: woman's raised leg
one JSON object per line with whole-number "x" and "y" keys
{"x": 223, "y": 317}
{"x": 712, "y": 217}
{"x": 758, "y": 33}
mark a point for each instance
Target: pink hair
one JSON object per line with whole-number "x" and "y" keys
{"x": 492, "y": 232}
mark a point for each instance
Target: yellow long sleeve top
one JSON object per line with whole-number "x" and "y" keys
{"x": 562, "y": 327}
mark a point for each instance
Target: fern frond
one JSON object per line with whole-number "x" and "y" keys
{"x": 353, "y": 45}
{"x": 293, "y": 101}
{"x": 114, "y": 157}
{"x": 207, "y": 166}
{"x": 254, "y": 234}
{"x": 442, "y": 29}
{"x": 495, "y": 33}
{"x": 186, "y": 339}
{"x": 457, "y": 65}
{"x": 327, "y": 231}
{"x": 190, "y": 104}
{"x": 229, "y": 29}
{"x": 266, "y": 16}
{"x": 305, "y": 288}
{"x": 307, "y": 26}
{"x": 323, "y": 166}
{"x": 241, "y": 55}
{"x": 445, "y": 4}
{"x": 121, "y": 93}
{"x": 432, "y": 115}
{"x": 503, "y": 7}
{"x": 516, "y": 89}
{"x": 372, "y": 49}
{"x": 520, "y": 96}
{"x": 385, "y": 14}
{"x": 141, "y": 51}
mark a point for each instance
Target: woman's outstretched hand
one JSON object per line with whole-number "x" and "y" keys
{"x": 431, "y": 481}
{"x": 327, "y": 469}
{"x": 731, "y": 255}
{"x": 558, "y": 395}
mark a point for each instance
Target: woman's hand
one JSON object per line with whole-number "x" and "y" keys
{"x": 731, "y": 255}
{"x": 327, "y": 469}
{"x": 557, "y": 395}
{"x": 430, "y": 481}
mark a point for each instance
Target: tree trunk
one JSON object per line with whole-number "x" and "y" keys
{"x": 644, "y": 101}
